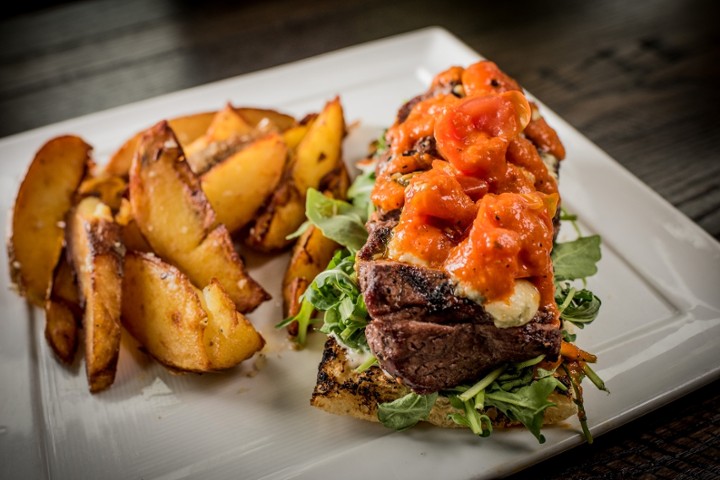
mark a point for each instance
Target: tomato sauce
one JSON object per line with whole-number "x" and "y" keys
{"x": 479, "y": 202}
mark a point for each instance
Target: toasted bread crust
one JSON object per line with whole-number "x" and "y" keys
{"x": 342, "y": 391}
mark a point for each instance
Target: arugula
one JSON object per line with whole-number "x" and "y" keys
{"x": 406, "y": 411}
{"x": 576, "y": 259}
{"x": 519, "y": 391}
{"x": 339, "y": 220}
{"x": 579, "y": 307}
{"x": 335, "y": 291}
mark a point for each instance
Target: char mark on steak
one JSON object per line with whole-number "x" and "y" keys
{"x": 428, "y": 337}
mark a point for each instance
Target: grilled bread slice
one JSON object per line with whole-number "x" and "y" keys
{"x": 343, "y": 391}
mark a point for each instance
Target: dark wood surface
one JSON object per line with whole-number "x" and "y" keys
{"x": 640, "y": 79}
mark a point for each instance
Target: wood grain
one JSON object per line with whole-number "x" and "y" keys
{"x": 640, "y": 79}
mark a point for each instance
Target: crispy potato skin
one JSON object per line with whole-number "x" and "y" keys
{"x": 175, "y": 217}
{"x": 310, "y": 256}
{"x": 96, "y": 254}
{"x": 187, "y": 129}
{"x": 63, "y": 315}
{"x": 43, "y": 200}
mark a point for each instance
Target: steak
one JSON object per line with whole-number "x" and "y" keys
{"x": 428, "y": 337}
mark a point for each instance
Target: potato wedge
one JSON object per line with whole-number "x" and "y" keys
{"x": 257, "y": 117}
{"x": 182, "y": 327}
{"x": 61, "y": 330}
{"x": 318, "y": 154}
{"x": 320, "y": 150}
{"x": 187, "y": 128}
{"x": 228, "y": 133}
{"x": 63, "y": 314}
{"x": 229, "y": 337}
{"x": 96, "y": 254}
{"x": 43, "y": 200}
{"x": 175, "y": 217}
{"x": 293, "y": 136}
{"x": 312, "y": 251}
{"x": 282, "y": 216}
{"x": 162, "y": 310}
{"x": 310, "y": 256}
{"x": 239, "y": 186}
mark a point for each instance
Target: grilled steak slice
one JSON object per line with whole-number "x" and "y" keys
{"x": 429, "y": 357}
{"x": 398, "y": 291}
{"x": 428, "y": 337}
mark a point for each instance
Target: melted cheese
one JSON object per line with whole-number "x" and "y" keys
{"x": 516, "y": 311}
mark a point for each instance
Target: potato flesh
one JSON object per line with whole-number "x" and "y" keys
{"x": 162, "y": 311}
{"x": 320, "y": 149}
{"x": 43, "y": 200}
{"x": 229, "y": 337}
{"x": 239, "y": 186}
{"x": 182, "y": 327}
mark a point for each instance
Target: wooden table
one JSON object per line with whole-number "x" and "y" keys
{"x": 638, "y": 78}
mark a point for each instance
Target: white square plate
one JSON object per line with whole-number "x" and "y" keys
{"x": 656, "y": 337}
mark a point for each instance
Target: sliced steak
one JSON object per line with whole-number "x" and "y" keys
{"x": 428, "y": 337}
{"x": 429, "y": 357}
{"x": 398, "y": 291}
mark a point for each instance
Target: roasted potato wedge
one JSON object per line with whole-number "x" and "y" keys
{"x": 293, "y": 136}
{"x": 320, "y": 150}
{"x": 311, "y": 254}
{"x": 187, "y": 128}
{"x": 238, "y": 186}
{"x": 312, "y": 251}
{"x": 282, "y": 216}
{"x": 260, "y": 117}
{"x": 61, "y": 330}
{"x": 229, "y": 337}
{"x": 182, "y": 327}
{"x": 228, "y": 133}
{"x": 318, "y": 154}
{"x": 43, "y": 200}
{"x": 63, "y": 314}
{"x": 175, "y": 217}
{"x": 96, "y": 254}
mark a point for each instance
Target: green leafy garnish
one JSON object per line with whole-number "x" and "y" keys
{"x": 339, "y": 220}
{"x": 579, "y": 307}
{"x": 335, "y": 292}
{"x": 360, "y": 191}
{"x": 406, "y": 411}
{"x": 576, "y": 259}
{"x": 519, "y": 391}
